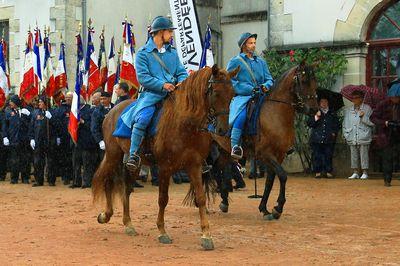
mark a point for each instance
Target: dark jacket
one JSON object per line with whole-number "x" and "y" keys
{"x": 2, "y": 117}
{"x": 42, "y": 129}
{"x": 85, "y": 138}
{"x": 61, "y": 121}
{"x": 16, "y": 127}
{"x": 98, "y": 115}
{"x": 382, "y": 113}
{"x": 122, "y": 98}
{"x": 322, "y": 130}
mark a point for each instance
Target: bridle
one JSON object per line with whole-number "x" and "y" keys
{"x": 300, "y": 99}
{"x": 212, "y": 115}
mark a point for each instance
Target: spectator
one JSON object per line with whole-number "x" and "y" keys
{"x": 122, "y": 91}
{"x": 324, "y": 128}
{"x": 357, "y": 131}
{"x": 3, "y": 149}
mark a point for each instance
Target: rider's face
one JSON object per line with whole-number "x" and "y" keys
{"x": 250, "y": 45}
{"x": 167, "y": 35}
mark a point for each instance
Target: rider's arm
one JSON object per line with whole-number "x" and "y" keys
{"x": 242, "y": 87}
{"x": 143, "y": 74}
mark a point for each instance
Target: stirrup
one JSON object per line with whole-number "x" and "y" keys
{"x": 133, "y": 163}
{"x": 237, "y": 152}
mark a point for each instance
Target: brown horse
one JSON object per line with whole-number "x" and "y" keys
{"x": 181, "y": 143}
{"x": 295, "y": 90}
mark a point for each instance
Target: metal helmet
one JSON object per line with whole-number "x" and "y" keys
{"x": 161, "y": 23}
{"x": 244, "y": 37}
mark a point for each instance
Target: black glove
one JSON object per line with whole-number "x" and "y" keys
{"x": 393, "y": 124}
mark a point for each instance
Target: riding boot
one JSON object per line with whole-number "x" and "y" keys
{"x": 138, "y": 133}
{"x": 237, "y": 151}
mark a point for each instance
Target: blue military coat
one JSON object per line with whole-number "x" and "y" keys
{"x": 243, "y": 83}
{"x": 152, "y": 76}
{"x": 16, "y": 126}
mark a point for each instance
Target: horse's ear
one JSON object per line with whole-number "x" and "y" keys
{"x": 215, "y": 70}
{"x": 234, "y": 72}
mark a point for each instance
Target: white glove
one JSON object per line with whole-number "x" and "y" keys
{"x": 6, "y": 142}
{"x": 33, "y": 144}
{"x": 58, "y": 141}
{"x": 48, "y": 115}
{"x": 102, "y": 145}
{"x": 25, "y": 111}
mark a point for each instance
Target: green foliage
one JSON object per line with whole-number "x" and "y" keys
{"x": 331, "y": 65}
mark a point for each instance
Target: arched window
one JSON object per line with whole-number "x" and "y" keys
{"x": 384, "y": 46}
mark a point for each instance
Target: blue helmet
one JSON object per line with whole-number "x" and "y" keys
{"x": 244, "y": 37}
{"x": 161, "y": 23}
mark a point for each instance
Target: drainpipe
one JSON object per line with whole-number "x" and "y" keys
{"x": 269, "y": 24}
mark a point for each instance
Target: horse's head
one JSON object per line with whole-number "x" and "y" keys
{"x": 305, "y": 88}
{"x": 219, "y": 94}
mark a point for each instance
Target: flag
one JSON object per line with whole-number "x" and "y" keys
{"x": 92, "y": 69}
{"x": 48, "y": 72}
{"x": 4, "y": 78}
{"x": 29, "y": 88}
{"x": 74, "y": 116}
{"x": 103, "y": 62}
{"x": 38, "y": 54}
{"x": 112, "y": 69}
{"x": 61, "y": 82}
{"x": 128, "y": 72}
{"x": 207, "y": 58}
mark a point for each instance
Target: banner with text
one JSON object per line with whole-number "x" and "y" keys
{"x": 187, "y": 35}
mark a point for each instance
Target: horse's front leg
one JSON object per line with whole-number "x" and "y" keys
{"x": 282, "y": 175}
{"x": 163, "y": 186}
{"x": 196, "y": 180}
{"x": 269, "y": 182}
{"x": 129, "y": 180}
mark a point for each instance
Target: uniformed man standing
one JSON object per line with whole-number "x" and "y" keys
{"x": 159, "y": 71}
{"x": 3, "y": 149}
{"x": 15, "y": 135}
{"x": 253, "y": 78}
{"x": 42, "y": 139}
{"x": 82, "y": 159}
{"x": 63, "y": 147}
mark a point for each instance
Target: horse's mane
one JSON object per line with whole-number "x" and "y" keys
{"x": 185, "y": 106}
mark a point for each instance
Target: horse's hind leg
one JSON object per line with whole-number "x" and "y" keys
{"x": 269, "y": 182}
{"x": 105, "y": 175}
{"x": 128, "y": 181}
{"x": 195, "y": 177}
{"x": 282, "y": 175}
{"x": 163, "y": 186}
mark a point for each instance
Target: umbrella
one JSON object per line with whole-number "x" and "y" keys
{"x": 335, "y": 99}
{"x": 372, "y": 96}
{"x": 394, "y": 89}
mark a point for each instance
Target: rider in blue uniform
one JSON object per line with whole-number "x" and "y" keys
{"x": 254, "y": 77}
{"x": 159, "y": 71}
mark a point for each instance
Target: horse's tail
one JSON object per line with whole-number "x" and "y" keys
{"x": 108, "y": 180}
{"x": 210, "y": 189}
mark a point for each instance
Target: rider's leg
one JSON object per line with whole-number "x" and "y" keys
{"x": 139, "y": 127}
{"x": 236, "y": 135}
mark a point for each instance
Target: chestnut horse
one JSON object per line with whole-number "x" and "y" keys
{"x": 181, "y": 143}
{"x": 294, "y": 91}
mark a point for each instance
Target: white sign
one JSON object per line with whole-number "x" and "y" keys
{"x": 187, "y": 36}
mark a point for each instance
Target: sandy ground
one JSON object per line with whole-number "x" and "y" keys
{"x": 325, "y": 221}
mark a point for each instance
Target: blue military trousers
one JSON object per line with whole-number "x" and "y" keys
{"x": 140, "y": 124}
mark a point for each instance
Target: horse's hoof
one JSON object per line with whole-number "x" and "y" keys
{"x": 207, "y": 243}
{"x": 130, "y": 231}
{"x": 164, "y": 239}
{"x": 268, "y": 217}
{"x": 102, "y": 218}
{"x": 223, "y": 207}
{"x": 276, "y": 214}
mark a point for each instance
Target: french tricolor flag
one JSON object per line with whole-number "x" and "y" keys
{"x": 92, "y": 69}
{"x": 4, "y": 79}
{"x": 29, "y": 88}
{"x": 48, "y": 73}
{"x": 61, "y": 74}
{"x": 128, "y": 72}
{"x": 112, "y": 68}
{"x": 103, "y": 61}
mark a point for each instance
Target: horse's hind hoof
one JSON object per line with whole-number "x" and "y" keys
{"x": 130, "y": 231}
{"x": 102, "y": 218}
{"x": 223, "y": 207}
{"x": 207, "y": 243}
{"x": 276, "y": 214}
{"x": 164, "y": 239}
{"x": 268, "y": 217}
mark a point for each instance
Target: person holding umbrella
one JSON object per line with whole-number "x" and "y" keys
{"x": 357, "y": 131}
{"x": 387, "y": 118}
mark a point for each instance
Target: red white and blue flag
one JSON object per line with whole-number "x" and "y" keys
{"x": 103, "y": 62}
{"x": 4, "y": 77}
{"x": 207, "y": 58}
{"x": 37, "y": 49}
{"x": 112, "y": 69}
{"x": 74, "y": 116}
{"x": 48, "y": 72}
{"x": 128, "y": 72}
{"x": 92, "y": 69}
{"x": 61, "y": 83}
{"x": 29, "y": 88}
